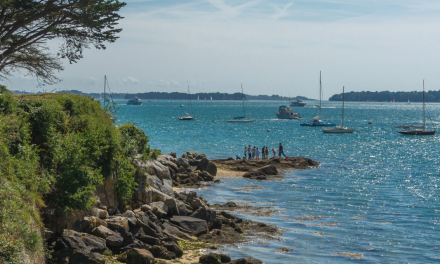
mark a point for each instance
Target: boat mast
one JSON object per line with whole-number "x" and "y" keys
{"x": 423, "y": 105}
{"x": 320, "y": 92}
{"x": 343, "y": 93}
{"x": 105, "y": 80}
{"x": 242, "y": 93}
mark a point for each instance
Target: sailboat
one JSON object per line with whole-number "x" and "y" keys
{"x": 197, "y": 97}
{"x": 340, "y": 129}
{"x": 188, "y": 117}
{"x": 109, "y": 106}
{"x": 241, "y": 119}
{"x": 211, "y": 98}
{"x": 423, "y": 131}
{"x": 316, "y": 121}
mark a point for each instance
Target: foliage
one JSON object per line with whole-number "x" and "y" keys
{"x": 4, "y": 90}
{"x": 27, "y": 25}
{"x": 55, "y": 149}
{"x": 387, "y": 96}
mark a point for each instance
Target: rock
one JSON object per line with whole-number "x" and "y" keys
{"x": 181, "y": 162}
{"x": 217, "y": 181}
{"x": 135, "y": 244}
{"x": 171, "y": 166}
{"x": 195, "y": 225}
{"x": 99, "y": 213}
{"x": 206, "y": 214}
{"x": 162, "y": 252}
{"x": 190, "y": 196}
{"x": 182, "y": 208}
{"x": 230, "y": 204}
{"x": 88, "y": 224}
{"x": 129, "y": 214}
{"x": 139, "y": 256}
{"x": 71, "y": 241}
{"x": 268, "y": 170}
{"x": 146, "y": 207}
{"x": 165, "y": 186}
{"x": 106, "y": 192}
{"x": 173, "y": 154}
{"x": 127, "y": 208}
{"x": 173, "y": 247}
{"x": 213, "y": 258}
{"x": 159, "y": 208}
{"x": 150, "y": 195}
{"x": 191, "y": 154}
{"x": 216, "y": 224}
{"x": 227, "y": 215}
{"x": 172, "y": 206}
{"x": 246, "y": 261}
{"x": 118, "y": 224}
{"x": 206, "y": 176}
{"x": 191, "y": 169}
{"x": 166, "y": 157}
{"x": 230, "y": 158}
{"x": 238, "y": 230}
{"x": 122, "y": 257}
{"x": 201, "y": 156}
{"x": 183, "y": 156}
{"x": 197, "y": 203}
{"x": 79, "y": 257}
{"x": 239, "y": 168}
{"x": 150, "y": 228}
{"x": 149, "y": 240}
{"x": 112, "y": 238}
{"x": 182, "y": 170}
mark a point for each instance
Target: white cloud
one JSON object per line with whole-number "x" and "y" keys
{"x": 91, "y": 80}
{"x": 128, "y": 80}
{"x": 281, "y": 12}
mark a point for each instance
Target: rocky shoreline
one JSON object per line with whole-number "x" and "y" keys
{"x": 160, "y": 224}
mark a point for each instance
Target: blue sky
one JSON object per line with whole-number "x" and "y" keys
{"x": 272, "y": 47}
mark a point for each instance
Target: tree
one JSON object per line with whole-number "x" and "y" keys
{"x": 26, "y": 26}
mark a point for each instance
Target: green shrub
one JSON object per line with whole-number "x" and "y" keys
{"x": 133, "y": 140}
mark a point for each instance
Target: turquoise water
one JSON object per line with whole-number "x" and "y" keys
{"x": 376, "y": 192}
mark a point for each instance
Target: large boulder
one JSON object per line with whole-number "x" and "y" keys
{"x": 268, "y": 170}
{"x": 157, "y": 175}
{"x": 139, "y": 256}
{"x": 212, "y": 169}
{"x": 162, "y": 252}
{"x": 71, "y": 241}
{"x": 246, "y": 261}
{"x": 191, "y": 154}
{"x": 182, "y": 162}
{"x": 103, "y": 214}
{"x": 159, "y": 209}
{"x": 214, "y": 258}
{"x": 195, "y": 225}
{"x": 87, "y": 224}
{"x": 166, "y": 158}
{"x": 118, "y": 224}
{"x": 106, "y": 192}
{"x": 206, "y": 214}
{"x": 206, "y": 176}
{"x": 112, "y": 238}
{"x": 261, "y": 173}
{"x": 79, "y": 257}
{"x": 173, "y": 247}
{"x": 164, "y": 186}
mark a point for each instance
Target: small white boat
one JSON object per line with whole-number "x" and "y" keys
{"x": 285, "y": 112}
{"x": 134, "y": 101}
{"x": 188, "y": 116}
{"x": 340, "y": 129}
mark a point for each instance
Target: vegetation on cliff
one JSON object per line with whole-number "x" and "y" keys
{"x": 55, "y": 149}
{"x": 387, "y": 96}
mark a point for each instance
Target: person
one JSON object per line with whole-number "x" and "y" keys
{"x": 253, "y": 152}
{"x": 257, "y": 153}
{"x": 249, "y": 151}
{"x": 262, "y": 152}
{"x": 237, "y": 157}
{"x": 267, "y": 153}
{"x": 274, "y": 152}
{"x": 245, "y": 151}
{"x": 281, "y": 151}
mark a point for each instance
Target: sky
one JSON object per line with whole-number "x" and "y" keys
{"x": 271, "y": 47}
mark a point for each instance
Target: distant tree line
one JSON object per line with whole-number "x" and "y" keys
{"x": 387, "y": 96}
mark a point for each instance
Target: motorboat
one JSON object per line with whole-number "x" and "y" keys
{"x": 340, "y": 129}
{"x": 285, "y": 112}
{"x": 297, "y": 103}
{"x": 187, "y": 117}
{"x": 134, "y": 101}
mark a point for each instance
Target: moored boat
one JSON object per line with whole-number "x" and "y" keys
{"x": 297, "y": 103}
{"x": 285, "y": 112}
{"x": 134, "y": 101}
{"x": 241, "y": 119}
{"x": 340, "y": 129}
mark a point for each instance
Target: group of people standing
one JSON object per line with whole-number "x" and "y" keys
{"x": 254, "y": 153}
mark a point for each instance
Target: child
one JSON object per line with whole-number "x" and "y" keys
{"x": 274, "y": 153}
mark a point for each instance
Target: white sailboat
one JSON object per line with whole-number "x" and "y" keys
{"x": 188, "y": 116}
{"x": 340, "y": 129}
{"x": 241, "y": 119}
{"x": 211, "y": 98}
{"x": 197, "y": 97}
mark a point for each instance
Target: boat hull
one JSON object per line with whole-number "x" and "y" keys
{"x": 288, "y": 117}
{"x": 241, "y": 121}
{"x": 186, "y": 118}
{"x": 418, "y": 132}
{"x": 339, "y": 130}
{"x": 137, "y": 103}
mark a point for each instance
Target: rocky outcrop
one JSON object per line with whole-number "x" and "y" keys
{"x": 195, "y": 225}
{"x": 139, "y": 256}
{"x": 297, "y": 163}
{"x": 261, "y": 173}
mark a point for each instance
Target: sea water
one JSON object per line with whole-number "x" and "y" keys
{"x": 373, "y": 199}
